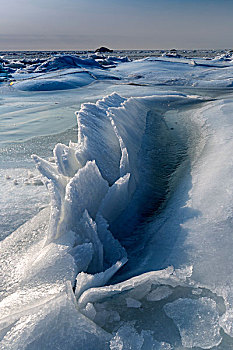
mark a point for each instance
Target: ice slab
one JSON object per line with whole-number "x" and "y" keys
{"x": 45, "y": 327}
{"x": 197, "y": 320}
{"x": 159, "y": 293}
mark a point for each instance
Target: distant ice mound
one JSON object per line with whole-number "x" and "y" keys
{"x": 63, "y": 72}
{"x": 66, "y": 62}
{"x": 171, "y": 53}
{"x": 60, "y": 81}
{"x": 227, "y": 56}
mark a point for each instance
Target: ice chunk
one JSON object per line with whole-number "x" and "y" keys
{"x": 197, "y": 291}
{"x": 197, "y": 320}
{"x": 184, "y": 273}
{"x": 124, "y": 163}
{"x": 84, "y": 191}
{"x": 87, "y": 231}
{"x": 97, "y": 139}
{"x": 112, "y": 100}
{"x": 226, "y": 322}
{"x": 37, "y": 181}
{"x": 116, "y": 199}
{"x": 129, "y": 123}
{"x": 130, "y": 302}
{"x": 113, "y": 250}
{"x": 105, "y": 317}
{"x": 89, "y": 311}
{"x": 69, "y": 200}
{"x": 56, "y": 184}
{"x": 151, "y": 344}
{"x": 19, "y": 250}
{"x": 52, "y": 264}
{"x": 140, "y": 291}
{"x": 126, "y": 338}
{"x": 85, "y": 281}
{"x": 66, "y": 61}
{"x": 137, "y": 286}
{"x": 45, "y": 327}
{"x": 18, "y": 303}
{"x": 65, "y": 160}
{"x": 50, "y": 172}
{"x": 82, "y": 255}
{"x": 159, "y": 293}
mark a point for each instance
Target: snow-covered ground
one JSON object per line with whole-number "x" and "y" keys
{"x": 134, "y": 250}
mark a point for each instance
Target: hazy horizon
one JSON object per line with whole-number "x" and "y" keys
{"x": 130, "y": 24}
{"x": 92, "y": 50}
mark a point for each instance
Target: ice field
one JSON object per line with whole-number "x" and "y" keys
{"x": 116, "y": 202}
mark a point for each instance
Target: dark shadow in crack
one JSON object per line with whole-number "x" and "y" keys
{"x": 145, "y": 229}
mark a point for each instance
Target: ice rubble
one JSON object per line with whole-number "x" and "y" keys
{"x": 63, "y": 72}
{"x": 127, "y": 338}
{"x": 77, "y": 250}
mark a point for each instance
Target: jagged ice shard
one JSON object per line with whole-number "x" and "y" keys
{"x": 135, "y": 250}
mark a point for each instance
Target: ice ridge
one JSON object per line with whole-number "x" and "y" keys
{"x": 93, "y": 181}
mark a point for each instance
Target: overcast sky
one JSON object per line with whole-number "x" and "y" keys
{"x": 118, "y": 24}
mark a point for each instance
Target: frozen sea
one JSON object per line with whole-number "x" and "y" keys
{"x": 116, "y": 200}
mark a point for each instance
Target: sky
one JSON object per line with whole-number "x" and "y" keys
{"x": 117, "y": 24}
